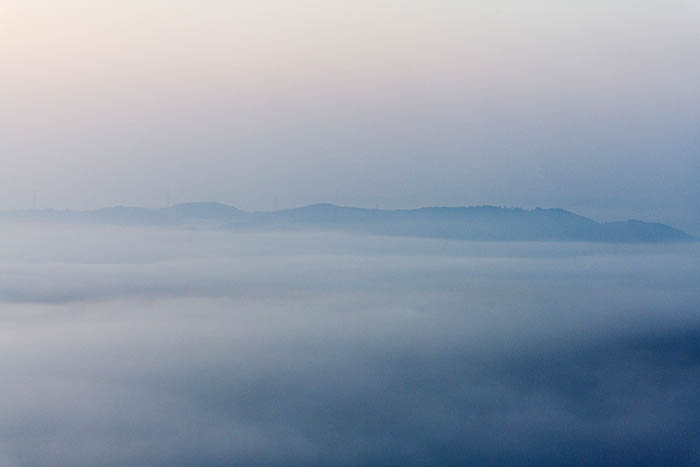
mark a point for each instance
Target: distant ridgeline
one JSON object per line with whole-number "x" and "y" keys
{"x": 488, "y": 223}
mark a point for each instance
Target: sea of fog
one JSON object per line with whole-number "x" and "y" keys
{"x": 164, "y": 347}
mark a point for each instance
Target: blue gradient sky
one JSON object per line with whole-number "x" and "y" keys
{"x": 591, "y": 106}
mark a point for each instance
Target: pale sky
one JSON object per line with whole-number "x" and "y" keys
{"x": 592, "y": 106}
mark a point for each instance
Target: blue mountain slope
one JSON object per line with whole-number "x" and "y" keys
{"x": 468, "y": 223}
{"x": 471, "y": 223}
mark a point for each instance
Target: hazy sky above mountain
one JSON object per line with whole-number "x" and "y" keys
{"x": 586, "y": 105}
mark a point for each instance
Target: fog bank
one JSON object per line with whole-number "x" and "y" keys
{"x": 169, "y": 347}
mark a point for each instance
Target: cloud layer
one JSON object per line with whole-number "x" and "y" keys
{"x": 160, "y": 347}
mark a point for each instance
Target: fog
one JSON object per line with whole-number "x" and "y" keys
{"x": 148, "y": 346}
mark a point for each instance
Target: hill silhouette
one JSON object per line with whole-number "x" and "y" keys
{"x": 488, "y": 223}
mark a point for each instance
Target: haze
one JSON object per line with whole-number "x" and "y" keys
{"x": 152, "y": 346}
{"x": 367, "y": 233}
{"x": 589, "y": 106}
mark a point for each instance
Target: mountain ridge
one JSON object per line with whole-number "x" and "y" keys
{"x": 485, "y": 222}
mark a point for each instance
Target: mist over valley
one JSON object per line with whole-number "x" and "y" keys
{"x": 170, "y": 346}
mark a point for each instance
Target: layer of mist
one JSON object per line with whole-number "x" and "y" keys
{"x": 173, "y": 347}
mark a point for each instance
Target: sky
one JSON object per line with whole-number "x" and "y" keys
{"x": 586, "y": 105}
